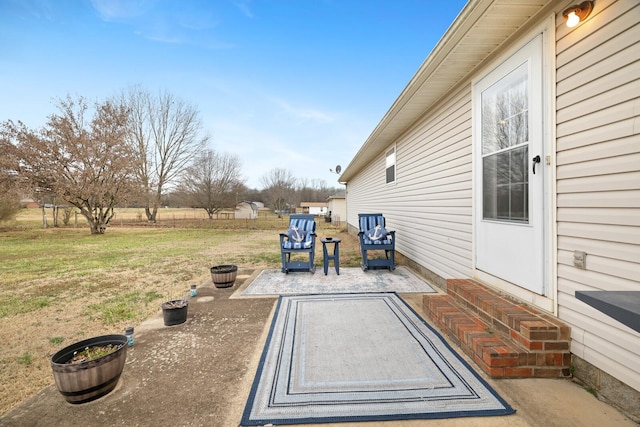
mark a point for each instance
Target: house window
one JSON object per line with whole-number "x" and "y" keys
{"x": 390, "y": 165}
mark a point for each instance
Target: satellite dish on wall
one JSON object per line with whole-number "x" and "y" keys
{"x": 338, "y": 169}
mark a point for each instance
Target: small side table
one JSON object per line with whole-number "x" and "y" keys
{"x": 336, "y": 254}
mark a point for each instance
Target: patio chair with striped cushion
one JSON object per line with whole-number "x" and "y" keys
{"x": 299, "y": 239}
{"x": 374, "y": 236}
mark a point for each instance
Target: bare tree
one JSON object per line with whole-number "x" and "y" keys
{"x": 279, "y": 185}
{"x": 166, "y": 134}
{"x": 303, "y": 192}
{"x": 212, "y": 182}
{"x": 10, "y": 184}
{"x": 312, "y": 190}
{"x": 86, "y": 162}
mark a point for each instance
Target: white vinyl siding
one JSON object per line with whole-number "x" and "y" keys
{"x": 598, "y": 179}
{"x": 595, "y": 153}
{"x": 430, "y": 204}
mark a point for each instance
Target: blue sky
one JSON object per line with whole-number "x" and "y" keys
{"x": 295, "y": 84}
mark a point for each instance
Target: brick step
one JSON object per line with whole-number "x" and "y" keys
{"x": 505, "y": 338}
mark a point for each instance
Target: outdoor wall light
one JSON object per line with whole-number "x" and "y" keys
{"x": 577, "y": 13}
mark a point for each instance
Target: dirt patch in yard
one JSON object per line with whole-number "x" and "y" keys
{"x": 188, "y": 374}
{"x": 52, "y": 309}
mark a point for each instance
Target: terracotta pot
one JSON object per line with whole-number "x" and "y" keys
{"x": 224, "y": 276}
{"x": 86, "y": 381}
{"x": 175, "y": 312}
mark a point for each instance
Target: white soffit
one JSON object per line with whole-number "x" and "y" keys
{"x": 481, "y": 27}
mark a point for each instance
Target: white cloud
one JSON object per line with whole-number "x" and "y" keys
{"x": 121, "y": 10}
{"x": 187, "y": 23}
{"x": 243, "y": 5}
{"x": 315, "y": 115}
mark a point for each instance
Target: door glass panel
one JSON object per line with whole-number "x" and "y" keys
{"x": 505, "y": 149}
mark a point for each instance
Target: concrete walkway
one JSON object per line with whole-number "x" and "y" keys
{"x": 199, "y": 374}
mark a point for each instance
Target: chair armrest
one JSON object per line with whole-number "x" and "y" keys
{"x": 283, "y": 237}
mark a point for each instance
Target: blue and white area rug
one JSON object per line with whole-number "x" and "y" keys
{"x": 361, "y": 357}
{"x": 350, "y": 280}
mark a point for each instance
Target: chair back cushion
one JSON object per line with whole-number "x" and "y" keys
{"x": 302, "y": 222}
{"x": 300, "y": 226}
{"x": 372, "y": 225}
{"x": 369, "y": 221}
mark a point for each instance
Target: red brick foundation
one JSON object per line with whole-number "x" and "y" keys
{"x": 505, "y": 338}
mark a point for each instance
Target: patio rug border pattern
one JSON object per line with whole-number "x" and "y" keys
{"x": 473, "y": 392}
{"x": 272, "y": 282}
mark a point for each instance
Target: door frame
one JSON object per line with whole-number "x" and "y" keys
{"x": 547, "y": 301}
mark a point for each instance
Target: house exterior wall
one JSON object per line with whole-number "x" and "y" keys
{"x": 317, "y": 210}
{"x": 596, "y": 152}
{"x": 598, "y": 179}
{"x": 314, "y": 208}
{"x": 430, "y": 203}
{"x": 338, "y": 209}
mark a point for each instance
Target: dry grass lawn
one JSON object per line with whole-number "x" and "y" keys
{"x": 60, "y": 285}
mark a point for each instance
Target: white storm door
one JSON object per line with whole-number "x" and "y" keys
{"x": 509, "y": 170}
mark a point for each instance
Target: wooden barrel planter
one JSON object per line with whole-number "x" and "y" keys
{"x": 86, "y": 381}
{"x": 224, "y": 276}
{"x": 175, "y": 312}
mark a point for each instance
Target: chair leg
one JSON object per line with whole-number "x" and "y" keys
{"x": 311, "y": 261}
{"x": 312, "y": 267}
{"x": 392, "y": 262}
{"x": 364, "y": 265}
{"x": 284, "y": 262}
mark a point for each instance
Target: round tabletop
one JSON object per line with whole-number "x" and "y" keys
{"x": 330, "y": 240}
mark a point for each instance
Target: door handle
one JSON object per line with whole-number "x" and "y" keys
{"x": 535, "y": 160}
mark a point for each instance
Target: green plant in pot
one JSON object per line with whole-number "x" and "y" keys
{"x": 174, "y": 312}
{"x": 89, "y": 369}
{"x": 223, "y": 276}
